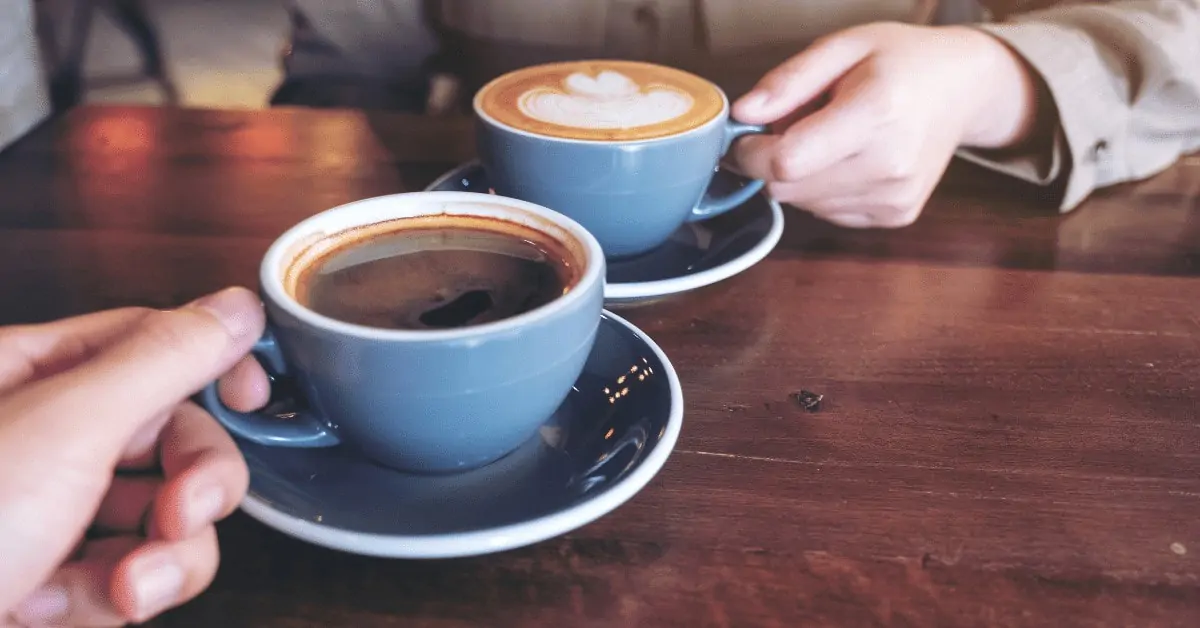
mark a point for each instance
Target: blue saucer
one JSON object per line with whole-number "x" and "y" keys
{"x": 697, "y": 255}
{"x": 608, "y": 439}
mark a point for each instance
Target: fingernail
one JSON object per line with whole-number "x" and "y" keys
{"x": 755, "y": 100}
{"x": 157, "y": 586}
{"x": 229, "y": 306}
{"x": 44, "y": 606}
{"x": 204, "y": 507}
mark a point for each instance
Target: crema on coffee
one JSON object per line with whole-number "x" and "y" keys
{"x": 601, "y": 100}
{"x": 431, "y": 272}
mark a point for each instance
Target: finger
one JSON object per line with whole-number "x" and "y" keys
{"x": 866, "y": 214}
{"x": 748, "y": 147}
{"x": 79, "y": 592}
{"x": 121, "y": 580}
{"x": 206, "y": 476}
{"x": 245, "y": 388}
{"x": 854, "y": 211}
{"x": 803, "y": 111}
{"x": 160, "y": 575}
{"x": 73, "y": 427}
{"x": 840, "y": 130}
{"x": 801, "y": 79}
{"x": 127, "y": 504}
{"x": 892, "y": 218}
{"x": 104, "y": 401}
{"x": 29, "y": 352}
{"x": 754, "y": 156}
{"x": 854, "y": 177}
{"x": 872, "y": 218}
{"x": 141, "y": 452}
{"x": 850, "y": 220}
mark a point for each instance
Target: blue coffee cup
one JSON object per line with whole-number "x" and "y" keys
{"x": 420, "y": 400}
{"x": 631, "y": 194}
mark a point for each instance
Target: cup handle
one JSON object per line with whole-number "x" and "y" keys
{"x": 302, "y": 429}
{"x": 712, "y": 204}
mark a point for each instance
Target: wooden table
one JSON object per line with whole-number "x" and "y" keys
{"x": 1009, "y": 434}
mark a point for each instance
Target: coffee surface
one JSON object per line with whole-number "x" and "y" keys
{"x": 601, "y": 100}
{"x": 433, "y": 273}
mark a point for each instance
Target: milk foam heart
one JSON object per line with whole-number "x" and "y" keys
{"x": 609, "y": 100}
{"x": 607, "y": 84}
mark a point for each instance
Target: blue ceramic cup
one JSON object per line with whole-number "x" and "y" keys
{"x": 632, "y": 194}
{"x": 420, "y": 400}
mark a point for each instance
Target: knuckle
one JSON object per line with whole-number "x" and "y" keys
{"x": 895, "y": 166}
{"x": 781, "y": 168}
{"x": 898, "y": 169}
{"x": 787, "y": 163}
{"x": 164, "y": 332}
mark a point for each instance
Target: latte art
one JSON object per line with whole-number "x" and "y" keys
{"x": 610, "y": 100}
{"x": 601, "y": 100}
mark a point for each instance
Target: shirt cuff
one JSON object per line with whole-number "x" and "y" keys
{"x": 1079, "y": 87}
{"x": 1039, "y": 164}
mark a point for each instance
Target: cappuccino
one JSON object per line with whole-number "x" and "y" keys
{"x": 600, "y": 100}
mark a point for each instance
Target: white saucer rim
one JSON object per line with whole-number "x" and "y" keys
{"x": 507, "y": 537}
{"x": 621, "y": 293}
{"x": 636, "y": 291}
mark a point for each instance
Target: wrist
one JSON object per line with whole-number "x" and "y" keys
{"x": 1005, "y": 93}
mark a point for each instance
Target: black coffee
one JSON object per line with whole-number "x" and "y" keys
{"x": 438, "y": 272}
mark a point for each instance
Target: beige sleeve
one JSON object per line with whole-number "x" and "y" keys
{"x": 1124, "y": 81}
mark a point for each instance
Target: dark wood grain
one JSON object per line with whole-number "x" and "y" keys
{"x": 1009, "y": 434}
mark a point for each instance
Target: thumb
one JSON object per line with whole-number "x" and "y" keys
{"x": 801, "y": 79}
{"x": 61, "y": 437}
{"x": 100, "y": 404}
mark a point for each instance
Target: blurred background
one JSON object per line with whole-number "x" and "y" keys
{"x": 229, "y": 53}
{"x": 219, "y": 53}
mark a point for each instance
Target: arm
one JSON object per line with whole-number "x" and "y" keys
{"x": 1120, "y": 86}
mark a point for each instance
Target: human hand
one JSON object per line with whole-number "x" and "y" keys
{"x": 869, "y": 117}
{"x": 110, "y": 480}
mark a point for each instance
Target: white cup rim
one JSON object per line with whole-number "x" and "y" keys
{"x": 412, "y": 204}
